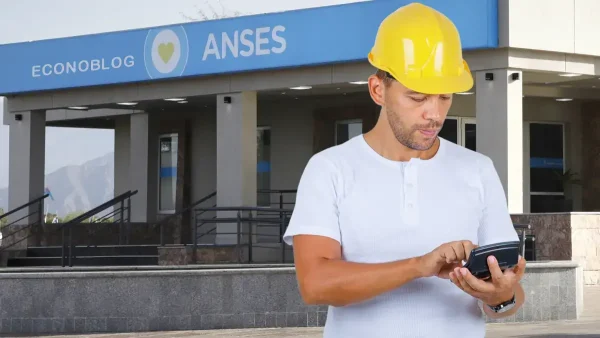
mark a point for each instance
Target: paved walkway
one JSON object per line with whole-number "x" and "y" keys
{"x": 588, "y": 326}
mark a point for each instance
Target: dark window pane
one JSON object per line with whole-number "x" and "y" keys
{"x": 450, "y": 130}
{"x": 347, "y": 130}
{"x": 546, "y": 157}
{"x": 546, "y": 140}
{"x": 549, "y": 203}
{"x": 471, "y": 136}
{"x": 545, "y": 180}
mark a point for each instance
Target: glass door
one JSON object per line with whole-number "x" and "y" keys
{"x": 167, "y": 185}
{"x": 449, "y": 131}
{"x": 468, "y": 129}
{"x": 547, "y": 168}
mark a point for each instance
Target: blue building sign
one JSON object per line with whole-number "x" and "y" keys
{"x": 546, "y": 163}
{"x": 315, "y": 36}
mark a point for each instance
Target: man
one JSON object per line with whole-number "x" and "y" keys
{"x": 383, "y": 222}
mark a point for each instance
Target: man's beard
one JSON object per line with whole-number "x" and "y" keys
{"x": 407, "y": 136}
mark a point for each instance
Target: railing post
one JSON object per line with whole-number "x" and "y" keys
{"x": 194, "y": 238}
{"x": 62, "y": 260}
{"x": 281, "y": 226}
{"x": 122, "y": 212}
{"x": 71, "y": 249}
{"x": 239, "y": 236}
{"x": 128, "y": 219}
{"x": 162, "y": 237}
{"x": 250, "y": 226}
{"x": 40, "y": 222}
{"x": 280, "y": 201}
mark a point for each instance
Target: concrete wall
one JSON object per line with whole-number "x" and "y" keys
{"x": 565, "y": 237}
{"x": 172, "y": 299}
{"x": 565, "y": 26}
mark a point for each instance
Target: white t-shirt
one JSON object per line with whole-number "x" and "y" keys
{"x": 382, "y": 210}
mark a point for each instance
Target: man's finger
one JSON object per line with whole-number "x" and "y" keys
{"x": 495, "y": 270}
{"x": 450, "y": 255}
{"x": 468, "y": 247}
{"x": 459, "y": 249}
{"x": 465, "y": 286}
{"x": 475, "y": 283}
{"x": 519, "y": 270}
{"x": 454, "y": 280}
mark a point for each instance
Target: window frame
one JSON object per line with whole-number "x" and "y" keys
{"x": 344, "y": 121}
{"x": 158, "y": 188}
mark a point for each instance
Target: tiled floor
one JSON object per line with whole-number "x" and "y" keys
{"x": 586, "y": 327}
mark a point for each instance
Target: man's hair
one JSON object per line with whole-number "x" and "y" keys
{"x": 385, "y": 76}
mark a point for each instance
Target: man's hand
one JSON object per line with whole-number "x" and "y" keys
{"x": 445, "y": 258}
{"x": 497, "y": 289}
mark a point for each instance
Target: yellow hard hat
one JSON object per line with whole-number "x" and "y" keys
{"x": 420, "y": 47}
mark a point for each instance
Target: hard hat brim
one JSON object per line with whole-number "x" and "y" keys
{"x": 432, "y": 85}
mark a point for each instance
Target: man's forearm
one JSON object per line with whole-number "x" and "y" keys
{"x": 519, "y": 300}
{"x": 340, "y": 283}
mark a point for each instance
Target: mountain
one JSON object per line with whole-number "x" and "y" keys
{"x": 77, "y": 188}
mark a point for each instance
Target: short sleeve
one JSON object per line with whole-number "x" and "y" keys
{"x": 316, "y": 211}
{"x": 496, "y": 224}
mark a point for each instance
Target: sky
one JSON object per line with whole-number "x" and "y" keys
{"x": 30, "y": 20}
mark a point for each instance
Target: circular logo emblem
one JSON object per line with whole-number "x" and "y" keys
{"x": 166, "y": 52}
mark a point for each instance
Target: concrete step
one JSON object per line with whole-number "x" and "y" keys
{"x": 121, "y": 260}
{"x": 116, "y": 250}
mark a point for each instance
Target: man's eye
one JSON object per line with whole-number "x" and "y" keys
{"x": 418, "y": 99}
{"x": 445, "y": 97}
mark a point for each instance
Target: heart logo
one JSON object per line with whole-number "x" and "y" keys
{"x": 166, "y": 50}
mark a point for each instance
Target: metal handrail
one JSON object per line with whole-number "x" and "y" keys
{"x": 239, "y": 219}
{"x": 39, "y": 211}
{"x": 32, "y": 202}
{"x": 162, "y": 222}
{"x": 77, "y": 220}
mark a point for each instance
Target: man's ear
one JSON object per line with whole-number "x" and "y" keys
{"x": 377, "y": 89}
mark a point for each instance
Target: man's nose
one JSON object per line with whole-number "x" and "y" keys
{"x": 432, "y": 109}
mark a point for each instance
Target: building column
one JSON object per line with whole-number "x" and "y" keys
{"x": 236, "y": 156}
{"x": 122, "y": 154}
{"x": 27, "y": 159}
{"x": 143, "y": 167}
{"x": 499, "y": 113}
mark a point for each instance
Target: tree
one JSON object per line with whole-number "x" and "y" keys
{"x": 203, "y": 16}
{"x": 72, "y": 215}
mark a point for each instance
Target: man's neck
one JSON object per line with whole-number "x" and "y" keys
{"x": 386, "y": 145}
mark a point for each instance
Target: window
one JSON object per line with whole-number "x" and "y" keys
{"x": 546, "y": 164}
{"x": 469, "y": 133}
{"x": 167, "y": 185}
{"x": 347, "y": 129}
{"x": 450, "y": 130}
{"x": 263, "y": 165}
{"x": 460, "y": 130}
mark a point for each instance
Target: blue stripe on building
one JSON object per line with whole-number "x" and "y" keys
{"x": 546, "y": 163}
{"x": 315, "y": 36}
{"x": 263, "y": 167}
{"x": 168, "y": 172}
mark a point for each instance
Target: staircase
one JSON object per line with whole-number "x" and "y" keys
{"x": 117, "y": 255}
